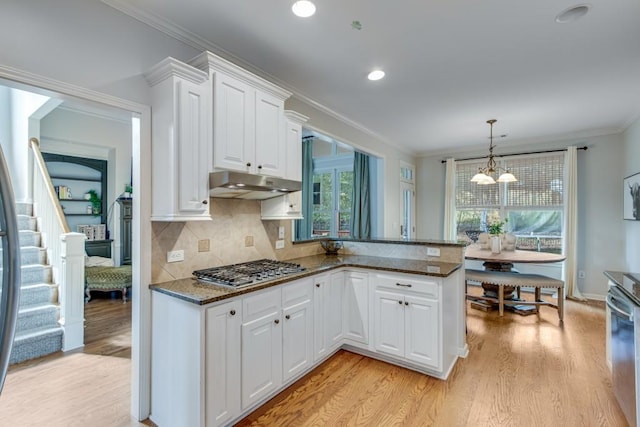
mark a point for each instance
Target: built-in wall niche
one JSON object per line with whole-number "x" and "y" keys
{"x": 74, "y": 178}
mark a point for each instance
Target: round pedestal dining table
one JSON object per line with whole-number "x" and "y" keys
{"x": 504, "y": 261}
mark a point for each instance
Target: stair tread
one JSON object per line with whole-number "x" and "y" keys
{"x": 39, "y": 331}
{"x": 36, "y": 308}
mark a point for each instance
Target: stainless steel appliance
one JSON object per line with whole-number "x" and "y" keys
{"x": 625, "y": 336}
{"x": 10, "y": 285}
{"x": 240, "y": 185}
{"x": 247, "y": 273}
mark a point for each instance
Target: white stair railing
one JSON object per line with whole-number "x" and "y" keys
{"x": 65, "y": 251}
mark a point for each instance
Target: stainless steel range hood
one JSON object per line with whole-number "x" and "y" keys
{"x": 239, "y": 185}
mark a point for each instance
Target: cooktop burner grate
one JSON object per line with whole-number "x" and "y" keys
{"x": 247, "y": 273}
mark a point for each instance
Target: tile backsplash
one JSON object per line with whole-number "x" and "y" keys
{"x": 232, "y": 221}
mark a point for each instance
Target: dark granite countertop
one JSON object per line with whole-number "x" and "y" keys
{"x": 628, "y": 282}
{"x": 393, "y": 240}
{"x": 201, "y": 293}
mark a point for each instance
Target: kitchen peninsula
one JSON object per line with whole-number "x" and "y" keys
{"x": 219, "y": 353}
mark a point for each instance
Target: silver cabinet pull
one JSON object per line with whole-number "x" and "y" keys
{"x": 403, "y": 285}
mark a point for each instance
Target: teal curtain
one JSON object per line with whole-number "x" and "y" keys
{"x": 361, "y": 201}
{"x": 303, "y": 226}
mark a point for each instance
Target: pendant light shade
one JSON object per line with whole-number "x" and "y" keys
{"x": 484, "y": 175}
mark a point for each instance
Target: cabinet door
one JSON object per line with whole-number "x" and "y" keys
{"x": 222, "y": 387}
{"x": 421, "y": 331}
{"x": 233, "y": 124}
{"x": 270, "y": 138}
{"x": 261, "y": 358}
{"x": 297, "y": 339}
{"x": 388, "y": 318}
{"x": 356, "y": 307}
{"x": 294, "y": 151}
{"x": 193, "y": 171}
{"x": 319, "y": 324}
{"x": 333, "y": 311}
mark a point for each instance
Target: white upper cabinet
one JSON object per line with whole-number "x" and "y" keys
{"x": 294, "y": 122}
{"x": 248, "y": 119}
{"x": 180, "y": 142}
{"x": 233, "y": 118}
{"x": 289, "y": 206}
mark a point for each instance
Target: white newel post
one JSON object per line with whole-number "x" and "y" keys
{"x": 72, "y": 290}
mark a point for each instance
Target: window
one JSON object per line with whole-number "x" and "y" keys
{"x": 533, "y": 205}
{"x": 408, "y": 211}
{"x": 333, "y": 189}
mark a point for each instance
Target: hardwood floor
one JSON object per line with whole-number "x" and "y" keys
{"x": 521, "y": 371}
{"x": 89, "y": 387}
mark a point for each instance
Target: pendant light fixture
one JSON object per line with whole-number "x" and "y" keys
{"x": 484, "y": 175}
{"x": 303, "y": 8}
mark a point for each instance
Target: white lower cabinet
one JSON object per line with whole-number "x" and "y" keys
{"x": 356, "y": 307}
{"x": 421, "y": 331}
{"x": 223, "y": 363}
{"x": 388, "y": 321}
{"x": 297, "y": 328}
{"x": 327, "y": 309}
{"x": 277, "y": 333}
{"x": 261, "y": 346}
{"x": 407, "y": 321}
{"x": 214, "y": 364}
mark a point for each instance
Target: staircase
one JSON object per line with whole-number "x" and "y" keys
{"x": 37, "y": 332}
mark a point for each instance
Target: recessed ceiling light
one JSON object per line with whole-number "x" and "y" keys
{"x": 303, "y": 8}
{"x": 376, "y": 75}
{"x": 573, "y": 13}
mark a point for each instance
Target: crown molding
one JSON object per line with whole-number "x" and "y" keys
{"x": 171, "y": 67}
{"x": 296, "y": 117}
{"x": 193, "y": 40}
{"x": 517, "y": 144}
{"x": 64, "y": 91}
{"x": 210, "y": 63}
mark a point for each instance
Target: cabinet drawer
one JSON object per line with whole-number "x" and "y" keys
{"x": 297, "y": 292}
{"x": 409, "y": 283}
{"x": 260, "y": 305}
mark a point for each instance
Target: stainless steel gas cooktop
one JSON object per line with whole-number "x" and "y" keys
{"x": 247, "y": 273}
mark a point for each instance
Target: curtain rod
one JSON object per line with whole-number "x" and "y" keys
{"x": 517, "y": 154}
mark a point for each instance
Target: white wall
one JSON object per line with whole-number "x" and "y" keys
{"x": 86, "y": 43}
{"x": 632, "y": 166}
{"x": 601, "y": 230}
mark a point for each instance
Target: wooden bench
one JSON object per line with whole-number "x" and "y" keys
{"x": 518, "y": 280}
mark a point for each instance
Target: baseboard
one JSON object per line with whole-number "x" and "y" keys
{"x": 595, "y": 297}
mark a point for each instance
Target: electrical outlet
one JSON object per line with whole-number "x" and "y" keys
{"x": 281, "y": 232}
{"x": 581, "y": 274}
{"x": 203, "y": 245}
{"x": 248, "y": 241}
{"x": 175, "y": 256}
{"x": 433, "y": 251}
{"x": 279, "y": 244}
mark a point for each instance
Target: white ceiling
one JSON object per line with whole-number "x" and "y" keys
{"x": 450, "y": 65}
